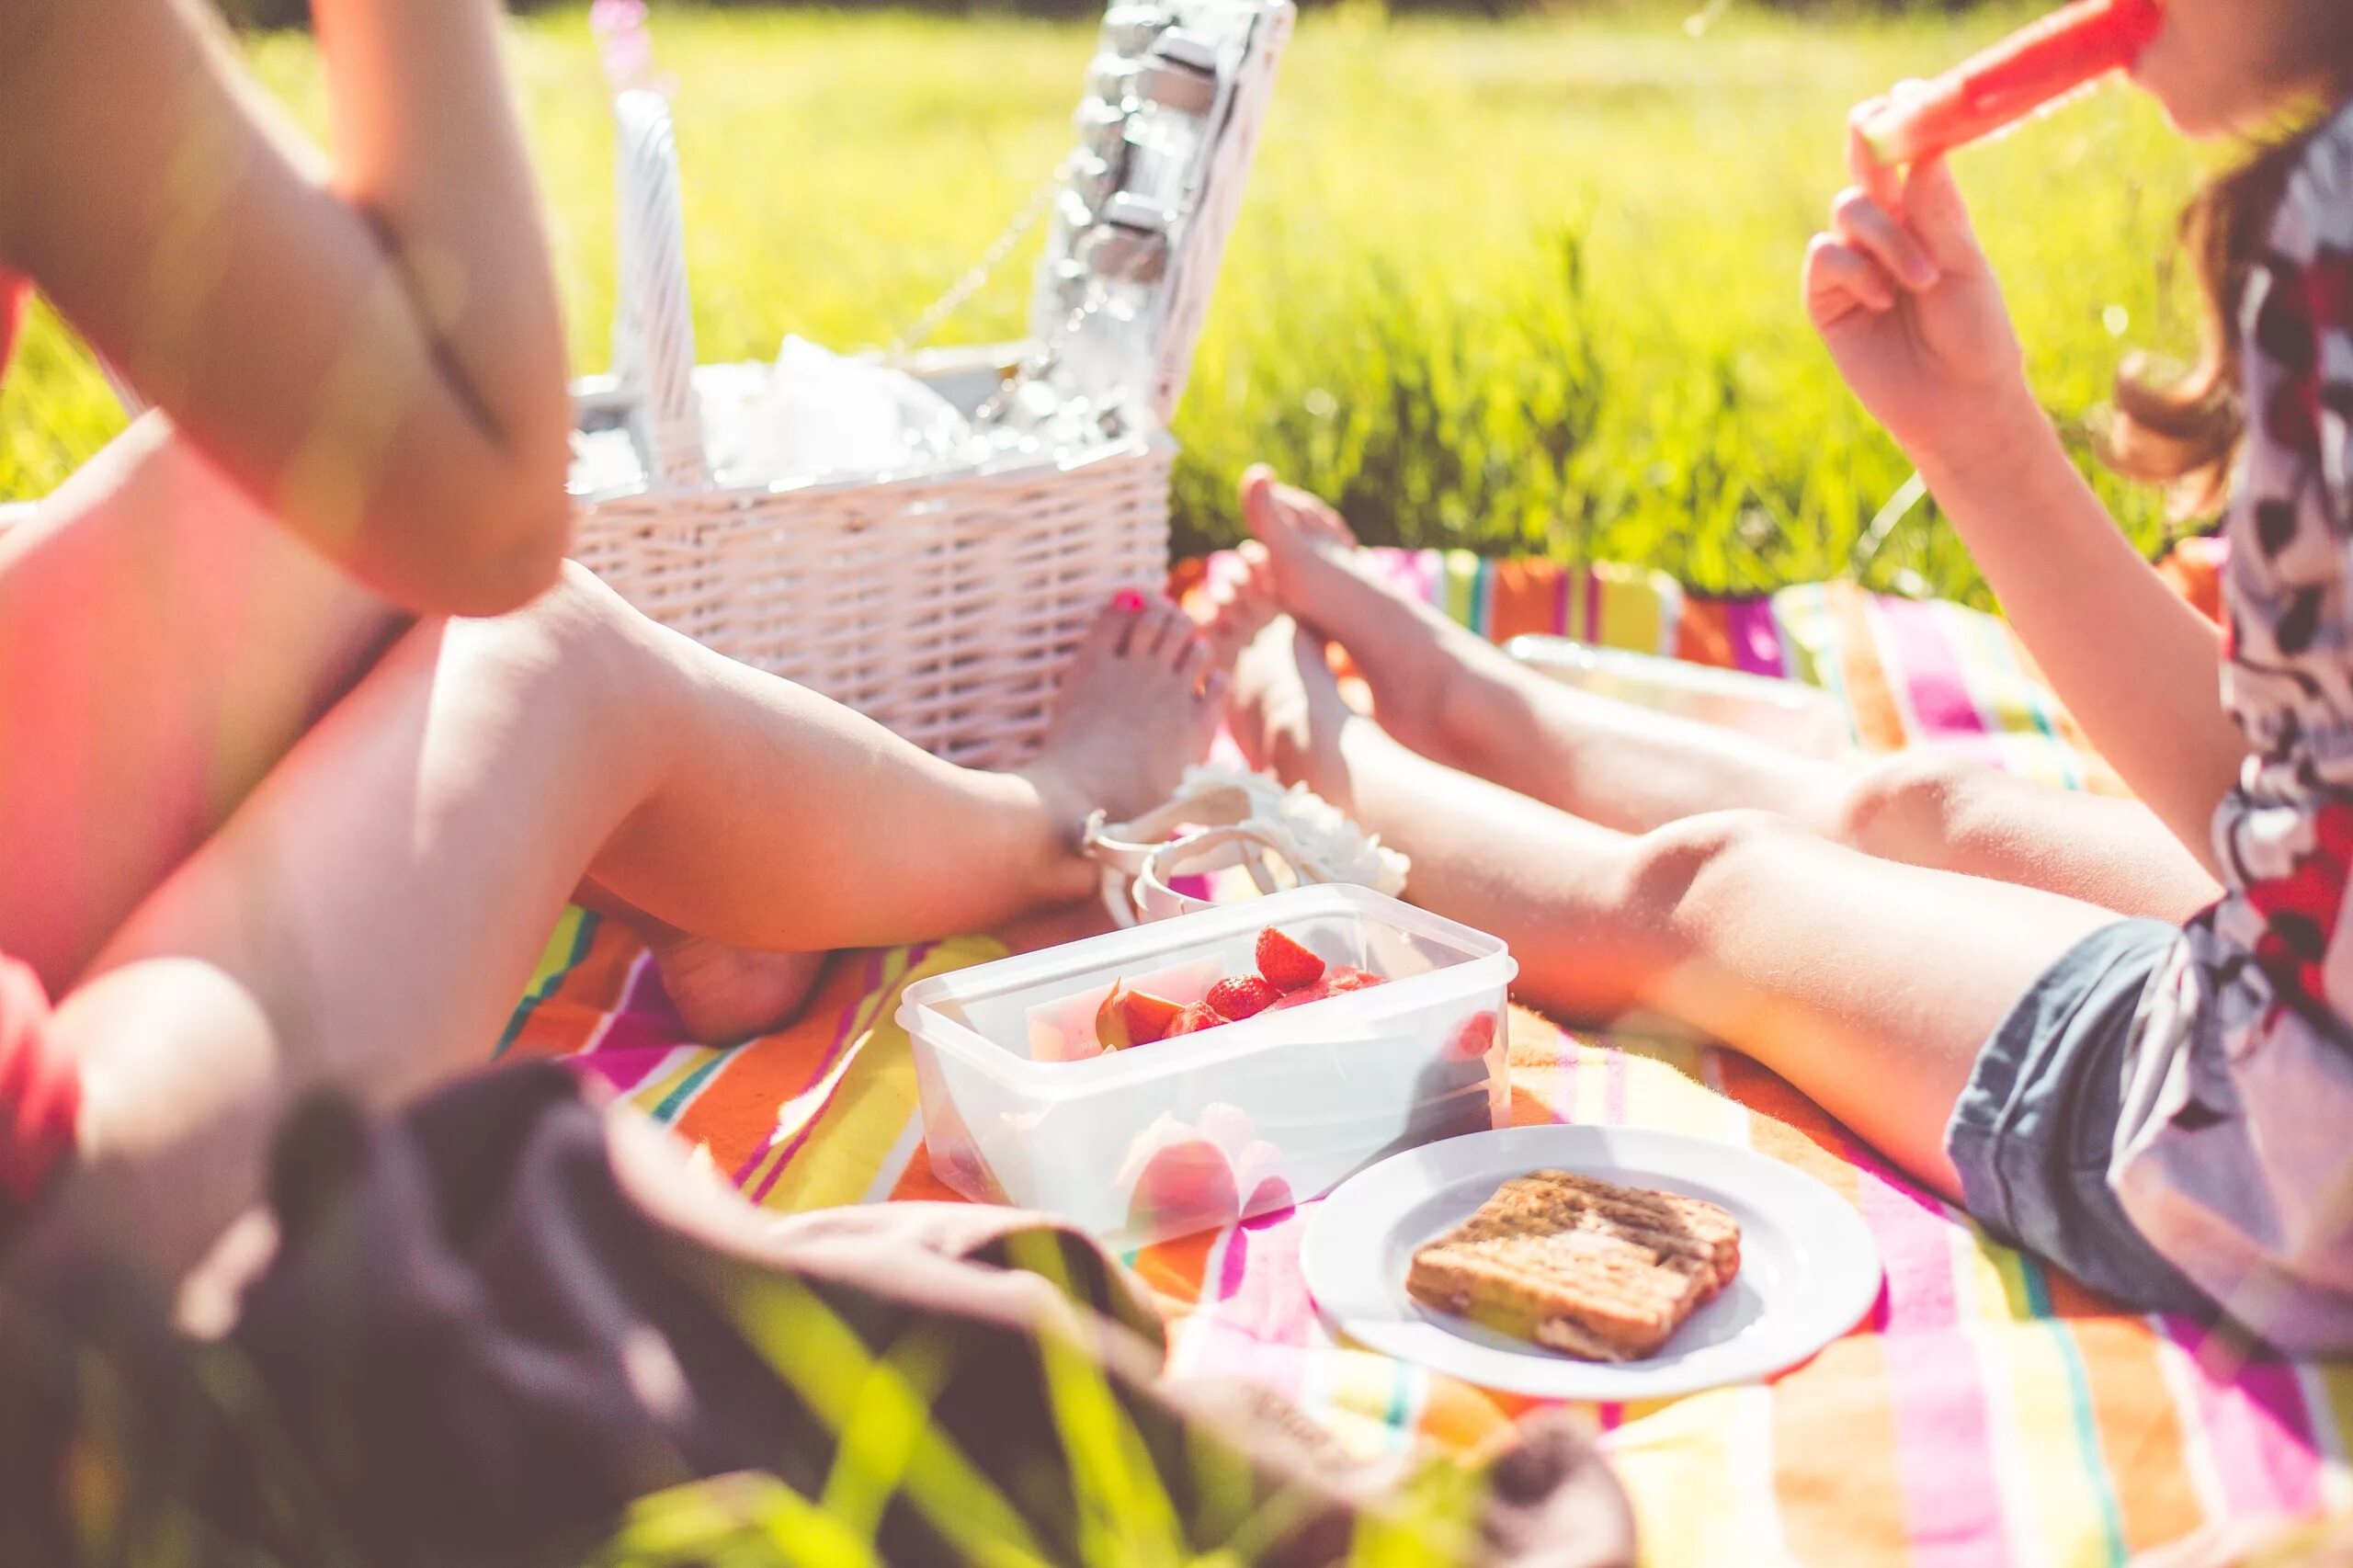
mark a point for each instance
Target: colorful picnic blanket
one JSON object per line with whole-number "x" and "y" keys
{"x": 1989, "y": 1411}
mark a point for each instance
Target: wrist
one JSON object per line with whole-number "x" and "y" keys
{"x": 1988, "y": 435}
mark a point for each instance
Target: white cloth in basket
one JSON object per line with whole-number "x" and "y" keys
{"x": 1220, "y": 818}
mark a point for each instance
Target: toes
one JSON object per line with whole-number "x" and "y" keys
{"x": 1109, "y": 636}
{"x": 1312, "y": 516}
{"x": 1258, "y": 500}
{"x": 1161, "y": 632}
{"x": 1194, "y": 657}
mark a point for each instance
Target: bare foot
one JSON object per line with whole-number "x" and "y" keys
{"x": 1242, "y": 607}
{"x": 1139, "y": 706}
{"x": 1439, "y": 688}
{"x": 724, "y": 994}
{"x": 1287, "y": 713}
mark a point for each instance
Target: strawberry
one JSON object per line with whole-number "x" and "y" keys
{"x": 1286, "y": 964}
{"x": 1348, "y": 977}
{"x": 1111, "y": 1020}
{"x": 1315, "y": 992}
{"x": 1148, "y": 1017}
{"x": 1195, "y": 1017}
{"x": 1473, "y": 1040}
{"x": 1242, "y": 996}
{"x": 1130, "y": 1018}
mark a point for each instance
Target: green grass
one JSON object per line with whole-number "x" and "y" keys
{"x": 1519, "y": 286}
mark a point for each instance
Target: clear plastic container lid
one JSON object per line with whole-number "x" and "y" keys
{"x": 1200, "y": 1130}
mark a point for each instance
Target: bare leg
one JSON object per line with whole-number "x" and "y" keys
{"x": 1798, "y": 952}
{"x": 1451, "y": 695}
{"x": 163, "y": 645}
{"x": 368, "y": 915}
{"x": 722, "y": 993}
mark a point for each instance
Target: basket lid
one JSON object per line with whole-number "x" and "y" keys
{"x": 1168, "y": 122}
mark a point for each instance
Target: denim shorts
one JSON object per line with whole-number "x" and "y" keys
{"x": 2032, "y": 1133}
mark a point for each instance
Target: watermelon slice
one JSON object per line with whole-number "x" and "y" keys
{"x": 2032, "y": 67}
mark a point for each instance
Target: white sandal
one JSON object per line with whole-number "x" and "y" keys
{"x": 1219, "y": 819}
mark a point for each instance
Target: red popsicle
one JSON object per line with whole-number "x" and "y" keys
{"x": 2035, "y": 66}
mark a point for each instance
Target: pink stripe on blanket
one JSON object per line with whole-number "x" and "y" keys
{"x": 814, "y": 1099}
{"x": 642, "y": 1032}
{"x": 1755, "y": 637}
{"x": 1943, "y": 1422}
{"x": 2256, "y": 1429}
{"x": 1936, "y": 688}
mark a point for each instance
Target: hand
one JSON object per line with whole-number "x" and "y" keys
{"x": 1909, "y": 307}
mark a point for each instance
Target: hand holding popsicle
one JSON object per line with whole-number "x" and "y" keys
{"x": 1908, "y": 306}
{"x": 1898, "y": 286}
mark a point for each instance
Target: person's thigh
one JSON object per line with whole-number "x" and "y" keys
{"x": 1872, "y": 984}
{"x": 163, "y": 645}
{"x": 1931, "y": 809}
{"x": 366, "y": 918}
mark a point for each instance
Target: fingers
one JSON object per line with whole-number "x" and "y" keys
{"x": 1883, "y": 184}
{"x": 1862, "y": 225}
{"x": 1840, "y": 279}
{"x": 1938, "y": 216}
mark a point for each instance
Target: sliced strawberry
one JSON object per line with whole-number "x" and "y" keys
{"x": 1315, "y": 992}
{"x": 1286, "y": 964}
{"x": 1187, "y": 1186}
{"x": 1474, "y": 1039}
{"x": 1111, "y": 1020}
{"x": 1242, "y": 996}
{"x": 1348, "y": 977}
{"x": 1148, "y": 1018}
{"x": 1193, "y": 1018}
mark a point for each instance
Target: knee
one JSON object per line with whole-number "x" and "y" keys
{"x": 1675, "y": 866}
{"x": 579, "y": 644}
{"x": 1909, "y": 807}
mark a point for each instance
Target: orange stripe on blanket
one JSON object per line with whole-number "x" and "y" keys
{"x": 1474, "y": 1422}
{"x": 1878, "y": 720}
{"x": 920, "y": 1183}
{"x": 1835, "y": 1460}
{"x": 1523, "y": 598}
{"x": 2138, "y": 1422}
{"x": 1178, "y": 1267}
{"x": 1789, "y": 1126}
{"x": 1703, "y": 635}
{"x": 735, "y": 1115}
{"x": 563, "y": 1023}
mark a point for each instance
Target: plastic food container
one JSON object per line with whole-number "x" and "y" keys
{"x": 1203, "y": 1129}
{"x": 1802, "y": 718}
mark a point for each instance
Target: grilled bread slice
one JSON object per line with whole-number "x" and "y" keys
{"x": 1602, "y": 1272}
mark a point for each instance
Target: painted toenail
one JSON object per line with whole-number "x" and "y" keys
{"x": 1127, "y": 601}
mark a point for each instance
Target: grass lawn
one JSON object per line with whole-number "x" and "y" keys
{"x": 1520, "y": 286}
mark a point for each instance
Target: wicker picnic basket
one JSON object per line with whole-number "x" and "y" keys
{"x": 943, "y": 604}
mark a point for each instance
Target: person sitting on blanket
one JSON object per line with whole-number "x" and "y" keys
{"x": 2118, "y": 1032}
{"x": 307, "y": 732}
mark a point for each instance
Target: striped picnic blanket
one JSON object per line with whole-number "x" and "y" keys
{"x": 1989, "y": 1412}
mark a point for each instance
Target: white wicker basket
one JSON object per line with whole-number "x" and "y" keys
{"x": 943, "y": 605}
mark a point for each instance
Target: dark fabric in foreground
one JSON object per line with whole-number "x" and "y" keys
{"x": 476, "y": 1344}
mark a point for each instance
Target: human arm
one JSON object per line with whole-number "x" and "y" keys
{"x": 1911, "y": 311}
{"x": 371, "y": 349}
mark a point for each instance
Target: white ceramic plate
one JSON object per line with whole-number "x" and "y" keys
{"x": 1808, "y": 1270}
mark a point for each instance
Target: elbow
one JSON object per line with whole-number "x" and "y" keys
{"x": 488, "y": 553}
{"x": 508, "y": 557}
